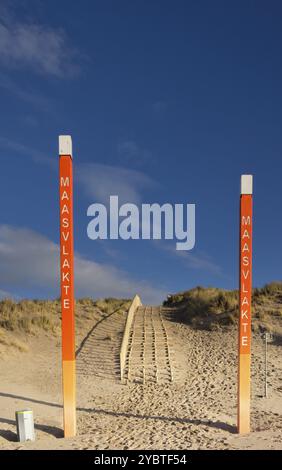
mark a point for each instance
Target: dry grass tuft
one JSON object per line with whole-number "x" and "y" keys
{"x": 110, "y": 305}
{"x": 210, "y": 308}
{"x": 32, "y": 317}
{"x": 29, "y": 315}
{"x": 8, "y": 340}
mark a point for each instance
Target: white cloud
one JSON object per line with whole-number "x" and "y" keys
{"x": 199, "y": 261}
{"x": 30, "y": 261}
{"x": 130, "y": 151}
{"x": 36, "y": 155}
{"x": 6, "y": 295}
{"x": 29, "y": 96}
{"x": 36, "y": 46}
{"x": 100, "y": 181}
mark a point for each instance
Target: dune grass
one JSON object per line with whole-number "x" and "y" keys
{"x": 29, "y": 315}
{"x": 210, "y": 308}
{"x": 110, "y": 305}
{"x": 202, "y": 308}
{"x": 7, "y": 340}
{"x": 32, "y": 317}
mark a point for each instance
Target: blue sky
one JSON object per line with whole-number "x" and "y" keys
{"x": 166, "y": 102}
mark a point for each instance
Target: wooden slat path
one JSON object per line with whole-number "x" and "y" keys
{"x": 150, "y": 354}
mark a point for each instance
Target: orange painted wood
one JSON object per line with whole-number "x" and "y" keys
{"x": 66, "y": 261}
{"x": 67, "y": 293}
{"x": 245, "y": 300}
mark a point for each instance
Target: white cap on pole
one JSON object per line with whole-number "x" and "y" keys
{"x": 65, "y": 145}
{"x": 246, "y": 184}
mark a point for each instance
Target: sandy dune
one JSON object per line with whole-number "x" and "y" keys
{"x": 197, "y": 410}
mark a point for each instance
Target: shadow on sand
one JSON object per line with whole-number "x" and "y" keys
{"x": 10, "y": 436}
{"x": 79, "y": 349}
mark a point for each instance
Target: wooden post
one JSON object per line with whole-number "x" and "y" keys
{"x": 67, "y": 285}
{"x": 245, "y": 297}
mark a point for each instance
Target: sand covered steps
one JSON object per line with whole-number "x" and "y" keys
{"x": 98, "y": 354}
{"x": 150, "y": 353}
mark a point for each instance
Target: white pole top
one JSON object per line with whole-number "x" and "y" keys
{"x": 65, "y": 145}
{"x": 246, "y": 184}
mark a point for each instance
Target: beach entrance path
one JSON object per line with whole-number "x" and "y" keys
{"x": 151, "y": 352}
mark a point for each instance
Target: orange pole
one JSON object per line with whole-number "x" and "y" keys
{"x": 245, "y": 299}
{"x": 67, "y": 285}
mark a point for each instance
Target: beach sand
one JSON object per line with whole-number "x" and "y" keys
{"x": 197, "y": 411}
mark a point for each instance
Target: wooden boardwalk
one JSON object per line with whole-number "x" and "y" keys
{"x": 150, "y": 356}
